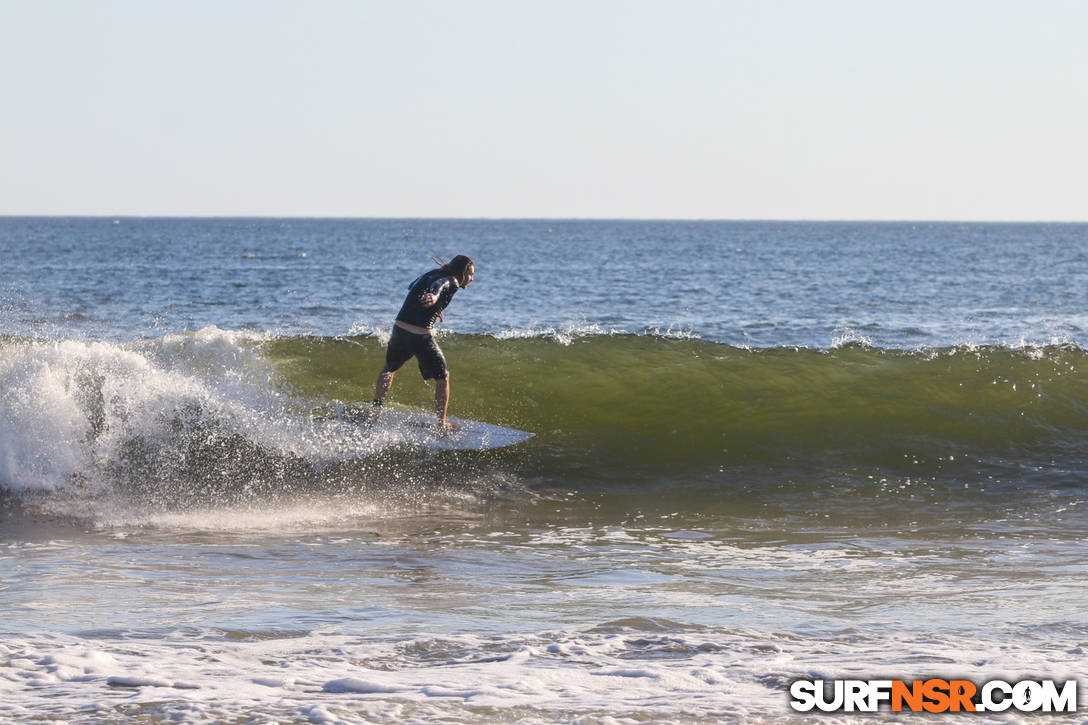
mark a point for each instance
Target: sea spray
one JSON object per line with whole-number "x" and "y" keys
{"x": 193, "y": 423}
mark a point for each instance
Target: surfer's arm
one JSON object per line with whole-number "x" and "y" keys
{"x": 437, "y": 287}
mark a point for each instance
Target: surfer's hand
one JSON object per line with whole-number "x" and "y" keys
{"x": 428, "y": 299}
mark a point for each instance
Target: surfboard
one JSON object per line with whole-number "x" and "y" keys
{"x": 419, "y": 428}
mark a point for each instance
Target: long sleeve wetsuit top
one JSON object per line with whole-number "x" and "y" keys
{"x": 437, "y": 281}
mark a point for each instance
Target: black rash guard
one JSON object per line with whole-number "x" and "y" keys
{"x": 437, "y": 281}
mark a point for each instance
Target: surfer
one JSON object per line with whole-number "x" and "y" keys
{"x": 412, "y": 334}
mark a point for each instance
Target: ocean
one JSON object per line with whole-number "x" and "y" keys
{"x": 762, "y": 452}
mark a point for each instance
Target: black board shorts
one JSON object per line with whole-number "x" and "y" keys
{"x": 404, "y": 344}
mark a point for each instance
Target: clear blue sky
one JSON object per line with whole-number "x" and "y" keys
{"x": 802, "y": 109}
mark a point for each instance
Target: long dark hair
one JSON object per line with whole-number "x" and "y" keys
{"x": 459, "y": 267}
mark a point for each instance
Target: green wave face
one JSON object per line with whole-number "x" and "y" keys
{"x": 628, "y": 405}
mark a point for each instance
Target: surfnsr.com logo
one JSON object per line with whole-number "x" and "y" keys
{"x": 933, "y": 695}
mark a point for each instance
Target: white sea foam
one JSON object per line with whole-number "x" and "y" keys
{"x": 849, "y": 336}
{"x": 563, "y": 334}
{"x": 380, "y": 333}
{"x": 72, "y": 411}
{"x": 625, "y": 673}
{"x": 60, "y": 403}
{"x": 566, "y": 334}
{"x": 672, "y": 332}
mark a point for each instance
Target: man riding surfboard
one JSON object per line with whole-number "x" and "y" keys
{"x": 413, "y": 336}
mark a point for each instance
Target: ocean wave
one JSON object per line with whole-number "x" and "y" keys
{"x": 219, "y": 409}
{"x": 631, "y": 402}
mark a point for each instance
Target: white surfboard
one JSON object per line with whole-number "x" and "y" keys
{"x": 420, "y": 428}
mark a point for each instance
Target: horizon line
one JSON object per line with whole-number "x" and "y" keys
{"x": 771, "y": 220}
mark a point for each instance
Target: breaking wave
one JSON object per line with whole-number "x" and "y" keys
{"x": 212, "y": 414}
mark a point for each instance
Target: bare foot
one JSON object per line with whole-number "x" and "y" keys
{"x": 448, "y": 426}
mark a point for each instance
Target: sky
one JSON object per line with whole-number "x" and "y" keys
{"x": 969, "y": 110}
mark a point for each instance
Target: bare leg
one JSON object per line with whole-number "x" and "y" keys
{"x": 442, "y": 401}
{"x": 385, "y": 380}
